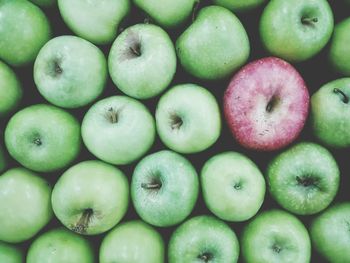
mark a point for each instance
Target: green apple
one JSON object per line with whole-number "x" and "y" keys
{"x": 118, "y": 130}
{"x": 233, "y": 186}
{"x": 44, "y": 3}
{"x": 24, "y": 30}
{"x": 339, "y": 51}
{"x": 167, "y": 13}
{"x": 10, "y": 90}
{"x": 43, "y": 138}
{"x": 96, "y": 21}
{"x": 60, "y": 245}
{"x": 142, "y": 61}
{"x": 164, "y": 188}
{"x": 188, "y": 118}
{"x": 296, "y": 30}
{"x": 214, "y": 46}
{"x": 132, "y": 242}
{"x": 10, "y": 254}
{"x": 70, "y": 72}
{"x": 303, "y": 179}
{"x": 91, "y": 197}
{"x": 203, "y": 239}
{"x": 239, "y": 5}
{"x": 275, "y": 236}
{"x": 330, "y": 233}
{"x": 24, "y": 204}
{"x": 330, "y": 113}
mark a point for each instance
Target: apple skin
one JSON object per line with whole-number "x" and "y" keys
{"x": 19, "y": 42}
{"x": 118, "y": 130}
{"x": 167, "y": 13}
{"x": 330, "y": 233}
{"x": 10, "y": 254}
{"x": 43, "y": 138}
{"x": 70, "y": 72}
{"x": 24, "y": 203}
{"x": 266, "y": 104}
{"x": 203, "y": 239}
{"x": 10, "y": 90}
{"x": 339, "y": 48}
{"x": 275, "y": 236}
{"x": 44, "y": 3}
{"x": 91, "y": 197}
{"x": 142, "y": 61}
{"x": 131, "y": 242}
{"x": 164, "y": 188}
{"x": 239, "y": 5}
{"x": 330, "y": 114}
{"x": 60, "y": 245}
{"x": 304, "y": 179}
{"x": 188, "y": 118}
{"x": 233, "y": 186}
{"x": 288, "y": 31}
{"x": 214, "y": 46}
{"x": 95, "y": 21}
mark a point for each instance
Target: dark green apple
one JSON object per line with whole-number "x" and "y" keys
{"x": 239, "y": 5}
{"x": 43, "y": 138}
{"x": 214, "y": 46}
{"x": 303, "y": 179}
{"x": 203, "y": 239}
{"x": 10, "y": 253}
{"x": 296, "y": 30}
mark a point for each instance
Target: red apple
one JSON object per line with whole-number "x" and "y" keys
{"x": 266, "y": 104}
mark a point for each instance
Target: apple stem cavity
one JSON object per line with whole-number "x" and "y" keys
{"x": 83, "y": 223}
{"x": 309, "y": 21}
{"x": 136, "y": 50}
{"x": 151, "y": 186}
{"x": 175, "y": 121}
{"x": 206, "y": 257}
{"x": 306, "y": 181}
{"x": 271, "y": 104}
{"x": 345, "y": 98}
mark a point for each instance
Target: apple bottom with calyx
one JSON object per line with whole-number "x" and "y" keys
{"x": 275, "y": 236}
{"x": 133, "y": 241}
{"x": 330, "y": 233}
{"x": 10, "y": 254}
{"x": 58, "y": 246}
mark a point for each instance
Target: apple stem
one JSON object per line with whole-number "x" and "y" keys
{"x": 309, "y": 21}
{"x": 58, "y": 69}
{"x": 195, "y": 10}
{"x": 135, "y": 50}
{"x": 112, "y": 115}
{"x": 345, "y": 98}
{"x": 151, "y": 185}
{"x": 83, "y": 222}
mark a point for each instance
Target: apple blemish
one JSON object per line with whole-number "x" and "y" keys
{"x": 345, "y": 98}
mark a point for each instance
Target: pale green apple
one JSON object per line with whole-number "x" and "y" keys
{"x": 132, "y": 242}
{"x": 214, "y": 46}
{"x": 10, "y": 90}
{"x": 43, "y": 138}
{"x": 91, "y": 197}
{"x": 25, "y": 205}
{"x": 95, "y": 20}
{"x": 44, "y": 3}
{"x": 142, "y": 61}
{"x": 24, "y": 30}
{"x": 60, "y": 246}
{"x": 10, "y": 253}
{"x": 70, "y": 72}
{"x": 239, "y": 5}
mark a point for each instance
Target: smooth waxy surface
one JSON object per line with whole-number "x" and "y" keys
{"x": 10, "y": 253}
{"x": 239, "y": 5}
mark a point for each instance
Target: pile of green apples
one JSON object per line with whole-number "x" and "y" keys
{"x": 181, "y": 131}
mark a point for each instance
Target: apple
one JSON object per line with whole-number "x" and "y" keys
{"x": 43, "y": 138}
{"x": 96, "y": 21}
{"x": 330, "y": 233}
{"x": 118, "y": 130}
{"x": 44, "y": 3}
{"x": 10, "y": 254}
{"x": 10, "y": 90}
{"x": 233, "y": 186}
{"x": 167, "y": 13}
{"x": 164, "y": 188}
{"x": 275, "y": 236}
{"x": 91, "y": 197}
{"x": 303, "y": 179}
{"x": 214, "y": 46}
{"x": 266, "y": 104}
{"x": 133, "y": 241}
{"x": 239, "y": 5}
{"x": 70, "y": 72}
{"x": 142, "y": 61}
{"x": 330, "y": 114}
{"x": 188, "y": 118}
{"x": 60, "y": 245}
{"x": 24, "y": 204}
{"x": 203, "y": 239}
{"x": 296, "y": 30}
{"x": 339, "y": 51}
{"x": 24, "y": 30}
